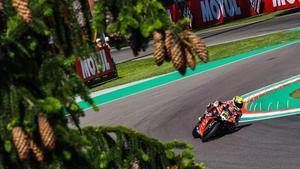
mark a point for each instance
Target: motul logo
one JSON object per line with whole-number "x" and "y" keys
{"x": 277, "y": 3}
{"x": 214, "y": 9}
{"x": 89, "y": 66}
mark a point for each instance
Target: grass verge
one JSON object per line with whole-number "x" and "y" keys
{"x": 296, "y": 94}
{"x": 146, "y": 68}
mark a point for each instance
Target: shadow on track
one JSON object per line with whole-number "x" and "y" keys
{"x": 291, "y": 11}
{"x": 235, "y": 129}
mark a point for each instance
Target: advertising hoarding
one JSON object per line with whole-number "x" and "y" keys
{"x": 209, "y": 12}
{"x": 276, "y": 5}
{"x": 99, "y": 67}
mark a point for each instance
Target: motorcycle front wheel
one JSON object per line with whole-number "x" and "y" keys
{"x": 211, "y": 130}
{"x": 195, "y": 132}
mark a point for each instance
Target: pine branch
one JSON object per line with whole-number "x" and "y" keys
{"x": 38, "y": 41}
{"x": 136, "y": 147}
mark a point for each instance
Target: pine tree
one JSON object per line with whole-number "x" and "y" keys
{"x": 40, "y": 40}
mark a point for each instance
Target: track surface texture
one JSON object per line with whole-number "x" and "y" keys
{"x": 227, "y": 34}
{"x": 170, "y": 112}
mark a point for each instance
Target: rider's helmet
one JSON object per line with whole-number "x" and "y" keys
{"x": 238, "y": 102}
{"x": 98, "y": 40}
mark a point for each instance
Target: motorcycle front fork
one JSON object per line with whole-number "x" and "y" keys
{"x": 202, "y": 116}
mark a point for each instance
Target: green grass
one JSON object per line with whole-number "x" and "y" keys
{"x": 296, "y": 94}
{"x": 146, "y": 68}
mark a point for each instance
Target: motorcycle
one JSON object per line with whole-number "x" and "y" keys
{"x": 211, "y": 124}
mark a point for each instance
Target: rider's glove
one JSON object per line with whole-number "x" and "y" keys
{"x": 216, "y": 103}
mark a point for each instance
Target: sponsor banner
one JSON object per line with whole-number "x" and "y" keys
{"x": 275, "y": 5}
{"x": 256, "y": 5}
{"x": 210, "y": 12}
{"x": 95, "y": 66}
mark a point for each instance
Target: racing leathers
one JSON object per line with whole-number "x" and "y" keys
{"x": 218, "y": 107}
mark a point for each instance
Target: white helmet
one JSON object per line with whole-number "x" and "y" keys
{"x": 98, "y": 40}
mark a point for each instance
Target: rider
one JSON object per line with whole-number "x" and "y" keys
{"x": 234, "y": 108}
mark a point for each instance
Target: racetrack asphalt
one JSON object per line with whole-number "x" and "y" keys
{"x": 170, "y": 112}
{"x": 227, "y": 34}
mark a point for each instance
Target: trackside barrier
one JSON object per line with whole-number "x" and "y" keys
{"x": 276, "y": 5}
{"x": 99, "y": 67}
{"x": 210, "y": 12}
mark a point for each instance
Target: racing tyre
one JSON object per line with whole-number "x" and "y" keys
{"x": 211, "y": 130}
{"x": 195, "y": 132}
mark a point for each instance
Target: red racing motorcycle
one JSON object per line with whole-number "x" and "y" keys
{"x": 211, "y": 124}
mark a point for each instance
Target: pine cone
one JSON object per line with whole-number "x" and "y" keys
{"x": 177, "y": 56}
{"x": 20, "y": 140}
{"x": 159, "y": 48}
{"x": 22, "y": 9}
{"x": 109, "y": 18}
{"x": 36, "y": 151}
{"x": 173, "y": 167}
{"x": 197, "y": 44}
{"x": 77, "y": 9}
{"x": 158, "y": 36}
{"x": 1, "y": 5}
{"x": 189, "y": 58}
{"x": 135, "y": 165}
{"x": 46, "y": 132}
{"x": 169, "y": 43}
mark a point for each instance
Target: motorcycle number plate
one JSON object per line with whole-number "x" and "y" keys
{"x": 224, "y": 115}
